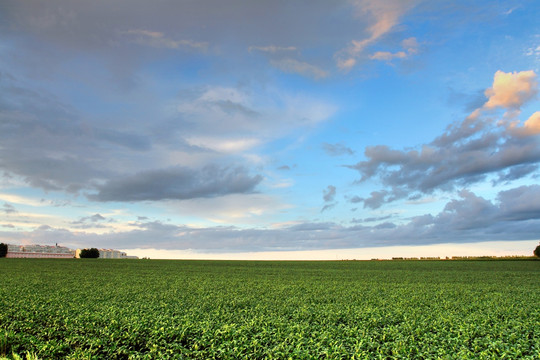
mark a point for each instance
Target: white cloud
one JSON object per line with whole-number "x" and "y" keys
{"x": 386, "y": 56}
{"x": 239, "y": 209}
{"x": 22, "y": 200}
{"x": 299, "y": 67}
{"x": 227, "y": 146}
{"x": 240, "y": 118}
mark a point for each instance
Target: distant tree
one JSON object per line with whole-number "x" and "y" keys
{"x": 91, "y": 253}
{"x": 537, "y": 251}
{"x": 3, "y": 250}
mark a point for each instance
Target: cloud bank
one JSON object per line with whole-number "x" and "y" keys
{"x": 514, "y": 215}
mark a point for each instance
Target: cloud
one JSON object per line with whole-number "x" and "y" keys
{"x": 336, "y": 149}
{"x": 118, "y": 36}
{"x": 511, "y": 90}
{"x": 387, "y": 56}
{"x": 224, "y": 145}
{"x": 48, "y": 144}
{"x": 531, "y": 126}
{"x": 94, "y": 218}
{"x": 522, "y": 203}
{"x": 90, "y": 222}
{"x": 467, "y": 152}
{"x": 233, "y": 113}
{"x": 384, "y": 16}
{"x": 329, "y": 193}
{"x": 242, "y": 209}
{"x": 177, "y": 183}
{"x": 299, "y": 67}
{"x": 513, "y": 216}
{"x": 377, "y": 198}
{"x": 272, "y": 48}
{"x": 9, "y": 209}
{"x": 159, "y": 40}
{"x": 515, "y": 173}
{"x": 373, "y": 219}
{"x": 410, "y": 46}
{"x": 374, "y": 201}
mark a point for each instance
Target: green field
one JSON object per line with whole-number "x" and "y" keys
{"x": 156, "y": 309}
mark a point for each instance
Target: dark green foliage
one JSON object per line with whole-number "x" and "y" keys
{"x": 158, "y": 309}
{"x": 537, "y": 251}
{"x": 3, "y": 250}
{"x": 91, "y": 253}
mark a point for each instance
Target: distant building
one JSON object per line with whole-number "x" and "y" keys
{"x": 39, "y": 251}
{"x": 59, "y": 252}
{"x": 109, "y": 254}
{"x": 114, "y": 254}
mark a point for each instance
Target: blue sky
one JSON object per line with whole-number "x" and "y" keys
{"x": 238, "y": 129}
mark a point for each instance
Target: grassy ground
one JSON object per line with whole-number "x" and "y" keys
{"x": 156, "y": 309}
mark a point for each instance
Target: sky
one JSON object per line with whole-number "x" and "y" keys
{"x": 271, "y": 129}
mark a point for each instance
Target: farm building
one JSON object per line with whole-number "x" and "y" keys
{"x": 114, "y": 254}
{"x": 39, "y": 251}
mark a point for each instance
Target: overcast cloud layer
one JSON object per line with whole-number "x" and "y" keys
{"x": 230, "y": 126}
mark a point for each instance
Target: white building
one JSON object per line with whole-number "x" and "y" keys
{"x": 114, "y": 254}
{"x": 39, "y": 251}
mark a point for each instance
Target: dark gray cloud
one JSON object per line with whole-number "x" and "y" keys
{"x": 90, "y": 219}
{"x": 328, "y": 207}
{"x": 377, "y": 198}
{"x": 385, "y": 225}
{"x": 522, "y": 203}
{"x": 374, "y": 201}
{"x": 373, "y": 219}
{"x": 177, "y": 183}
{"x": 515, "y": 172}
{"x": 329, "y": 193}
{"x": 336, "y": 149}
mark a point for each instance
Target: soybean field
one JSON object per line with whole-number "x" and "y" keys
{"x": 161, "y": 309}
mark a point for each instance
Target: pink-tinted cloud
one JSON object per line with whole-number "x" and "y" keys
{"x": 385, "y": 16}
{"x": 511, "y": 90}
{"x": 530, "y": 127}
